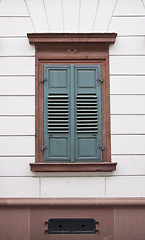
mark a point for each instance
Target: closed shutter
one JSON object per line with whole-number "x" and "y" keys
{"x": 57, "y": 113}
{"x": 88, "y": 113}
{"x": 72, "y": 113}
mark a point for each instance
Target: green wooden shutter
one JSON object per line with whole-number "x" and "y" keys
{"x": 57, "y": 113}
{"x": 88, "y": 113}
{"x": 72, "y": 113}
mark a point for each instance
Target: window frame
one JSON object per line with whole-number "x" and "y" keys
{"x": 63, "y": 49}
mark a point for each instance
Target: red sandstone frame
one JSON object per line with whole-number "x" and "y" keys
{"x": 79, "y": 49}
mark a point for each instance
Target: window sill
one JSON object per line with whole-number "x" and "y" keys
{"x": 73, "y": 167}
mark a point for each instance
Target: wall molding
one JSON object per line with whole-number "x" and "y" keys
{"x": 35, "y": 38}
{"x": 75, "y": 202}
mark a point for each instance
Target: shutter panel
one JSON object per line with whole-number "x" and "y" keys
{"x": 88, "y": 113}
{"x": 56, "y": 113}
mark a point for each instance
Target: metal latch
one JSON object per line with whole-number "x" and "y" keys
{"x": 101, "y": 147}
{"x": 43, "y": 80}
{"x": 71, "y": 226}
{"x": 44, "y": 147}
{"x": 100, "y": 80}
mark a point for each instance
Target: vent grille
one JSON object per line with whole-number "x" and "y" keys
{"x": 58, "y": 113}
{"x": 87, "y": 114}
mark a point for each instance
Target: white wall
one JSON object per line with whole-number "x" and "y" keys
{"x": 17, "y": 96}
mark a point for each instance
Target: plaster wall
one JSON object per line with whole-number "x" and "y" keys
{"x": 17, "y": 96}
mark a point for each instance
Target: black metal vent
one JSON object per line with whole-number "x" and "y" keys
{"x": 71, "y": 226}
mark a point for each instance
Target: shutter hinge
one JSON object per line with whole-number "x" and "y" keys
{"x": 101, "y": 147}
{"x": 44, "y": 147}
{"x": 44, "y": 80}
{"x": 100, "y": 80}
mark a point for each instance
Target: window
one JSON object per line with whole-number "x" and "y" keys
{"x": 72, "y": 113}
{"x": 72, "y": 102}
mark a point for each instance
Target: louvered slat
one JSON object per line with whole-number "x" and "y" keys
{"x": 58, "y": 113}
{"x": 87, "y": 121}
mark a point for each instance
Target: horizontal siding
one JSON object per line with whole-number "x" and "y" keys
{"x": 128, "y": 144}
{"x": 129, "y": 165}
{"x": 129, "y": 8}
{"x": 127, "y": 65}
{"x": 125, "y": 104}
{"x": 19, "y": 187}
{"x": 13, "y": 8}
{"x": 17, "y": 105}
{"x": 128, "y": 46}
{"x": 127, "y": 84}
{"x": 128, "y": 124}
{"x": 17, "y": 85}
{"x": 17, "y": 125}
{"x": 16, "y": 47}
{"x": 17, "y": 66}
{"x": 16, "y": 166}
{"x": 127, "y": 25}
{"x": 93, "y": 187}
{"x": 15, "y": 26}
{"x": 125, "y": 186}
{"x": 17, "y": 146}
